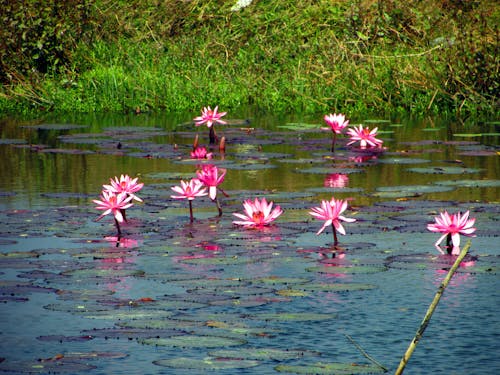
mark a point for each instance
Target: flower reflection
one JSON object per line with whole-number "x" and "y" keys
{"x": 118, "y": 241}
{"x": 461, "y": 276}
{"x": 336, "y": 180}
{"x": 363, "y": 158}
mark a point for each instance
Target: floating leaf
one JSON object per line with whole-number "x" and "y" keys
{"x": 7, "y": 141}
{"x": 445, "y": 170}
{"x": 467, "y": 135}
{"x": 262, "y": 354}
{"x": 194, "y": 341}
{"x": 349, "y": 270}
{"x": 470, "y": 183}
{"x": 330, "y": 369}
{"x": 329, "y": 170}
{"x": 205, "y": 364}
{"x": 131, "y": 333}
{"x": 337, "y": 287}
{"x": 299, "y": 126}
{"x": 409, "y": 191}
{"x": 292, "y": 293}
{"x": 56, "y": 366}
{"x": 403, "y": 161}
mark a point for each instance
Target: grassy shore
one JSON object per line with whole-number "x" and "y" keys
{"x": 305, "y": 56}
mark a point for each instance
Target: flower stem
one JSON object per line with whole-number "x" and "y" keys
{"x": 449, "y": 247}
{"x": 335, "y": 239}
{"x": 334, "y": 139}
{"x": 117, "y": 225}
{"x": 218, "y": 206}
{"x": 191, "y": 218}
{"x": 124, "y": 214}
{"x": 211, "y": 135}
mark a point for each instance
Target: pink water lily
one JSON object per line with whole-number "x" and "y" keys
{"x": 257, "y": 213}
{"x": 210, "y": 117}
{"x": 210, "y": 177}
{"x": 336, "y": 122}
{"x": 365, "y": 137}
{"x": 125, "y": 185}
{"x": 115, "y": 204}
{"x": 452, "y": 226}
{"x": 189, "y": 190}
{"x": 330, "y": 212}
{"x": 201, "y": 153}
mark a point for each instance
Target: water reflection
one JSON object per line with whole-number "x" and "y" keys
{"x": 336, "y": 180}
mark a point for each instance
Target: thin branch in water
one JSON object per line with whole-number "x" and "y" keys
{"x": 430, "y": 310}
{"x": 365, "y": 353}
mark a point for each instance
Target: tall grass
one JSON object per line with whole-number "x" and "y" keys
{"x": 308, "y": 56}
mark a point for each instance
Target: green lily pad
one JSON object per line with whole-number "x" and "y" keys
{"x": 376, "y": 121}
{"x": 467, "y": 135}
{"x": 7, "y": 141}
{"x": 470, "y": 183}
{"x": 278, "y": 280}
{"x": 131, "y": 333}
{"x": 194, "y": 341}
{"x": 218, "y": 260}
{"x": 155, "y": 322}
{"x": 170, "y": 175}
{"x": 292, "y": 293}
{"x": 432, "y": 129}
{"x": 49, "y": 366}
{"x": 206, "y": 363}
{"x": 299, "y": 126}
{"x": 103, "y": 273}
{"x": 330, "y": 369}
{"x": 403, "y": 161}
{"x": 263, "y": 354}
{"x": 445, "y": 170}
{"x": 329, "y": 170}
{"x": 409, "y": 191}
{"x": 338, "y": 287}
{"x": 348, "y": 270}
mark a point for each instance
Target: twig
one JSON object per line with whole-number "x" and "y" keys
{"x": 365, "y": 353}
{"x": 430, "y": 310}
{"x": 399, "y": 56}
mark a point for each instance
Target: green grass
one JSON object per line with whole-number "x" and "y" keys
{"x": 308, "y": 56}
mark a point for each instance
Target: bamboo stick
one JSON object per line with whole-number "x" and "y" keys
{"x": 430, "y": 310}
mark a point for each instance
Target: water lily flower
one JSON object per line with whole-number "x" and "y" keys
{"x": 337, "y": 123}
{"x": 125, "y": 185}
{"x": 365, "y": 136}
{"x": 452, "y": 226}
{"x": 189, "y": 190}
{"x": 210, "y": 117}
{"x": 201, "y": 153}
{"x": 258, "y": 213}
{"x": 330, "y": 212}
{"x": 209, "y": 176}
{"x": 115, "y": 204}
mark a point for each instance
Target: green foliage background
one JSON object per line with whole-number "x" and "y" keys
{"x": 307, "y": 56}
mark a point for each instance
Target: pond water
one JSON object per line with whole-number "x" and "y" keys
{"x": 174, "y": 297}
